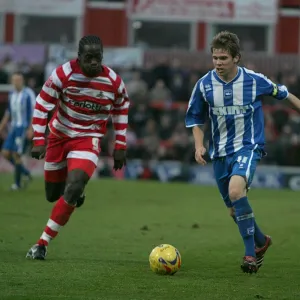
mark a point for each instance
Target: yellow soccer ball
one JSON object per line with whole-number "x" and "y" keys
{"x": 165, "y": 260}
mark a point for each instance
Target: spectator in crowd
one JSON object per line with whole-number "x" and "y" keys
{"x": 159, "y": 95}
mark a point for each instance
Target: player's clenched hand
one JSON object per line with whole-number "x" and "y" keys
{"x": 38, "y": 152}
{"x": 199, "y": 153}
{"x": 119, "y": 159}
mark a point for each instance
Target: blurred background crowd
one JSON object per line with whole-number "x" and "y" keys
{"x": 159, "y": 95}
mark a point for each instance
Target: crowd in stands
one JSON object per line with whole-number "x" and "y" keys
{"x": 159, "y": 95}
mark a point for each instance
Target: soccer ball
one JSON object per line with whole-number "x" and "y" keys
{"x": 165, "y": 260}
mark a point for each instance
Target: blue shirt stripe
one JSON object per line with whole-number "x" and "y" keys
{"x": 20, "y": 107}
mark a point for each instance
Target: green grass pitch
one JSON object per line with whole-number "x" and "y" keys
{"x": 103, "y": 251}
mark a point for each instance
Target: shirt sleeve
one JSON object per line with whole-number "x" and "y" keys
{"x": 8, "y": 108}
{"x": 267, "y": 87}
{"x": 46, "y": 102}
{"x": 197, "y": 108}
{"x": 119, "y": 114}
{"x": 29, "y": 110}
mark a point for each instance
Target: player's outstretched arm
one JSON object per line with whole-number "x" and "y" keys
{"x": 120, "y": 122}
{"x": 295, "y": 101}
{"x": 45, "y": 103}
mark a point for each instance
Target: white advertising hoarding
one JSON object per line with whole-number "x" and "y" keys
{"x": 57, "y": 8}
{"x": 232, "y": 11}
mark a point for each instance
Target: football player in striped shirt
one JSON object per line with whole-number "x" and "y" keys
{"x": 18, "y": 115}
{"x": 83, "y": 94}
{"x": 232, "y": 98}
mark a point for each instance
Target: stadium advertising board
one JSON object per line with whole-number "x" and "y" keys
{"x": 56, "y": 8}
{"x": 114, "y": 57}
{"x": 268, "y": 177}
{"x": 32, "y": 54}
{"x": 237, "y": 11}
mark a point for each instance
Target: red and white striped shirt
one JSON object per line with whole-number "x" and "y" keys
{"x": 83, "y": 105}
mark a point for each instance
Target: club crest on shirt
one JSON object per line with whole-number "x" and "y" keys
{"x": 227, "y": 94}
{"x": 49, "y": 82}
{"x": 208, "y": 87}
{"x": 100, "y": 94}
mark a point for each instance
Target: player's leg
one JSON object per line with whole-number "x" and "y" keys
{"x": 25, "y": 171}
{"x": 243, "y": 168}
{"x": 55, "y": 181}
{"x": 81, "y": 165}
{"x": 20, "y": 170}
{"x": 7, "y": 149}
{"x": 259, "y": 238}
{"x": 262, "y": 241}
{"x": 17, "y": 152}
{"x": 61, "y": 212}
{"x": 55, "y": 175}
{"x": 222, "y": 178}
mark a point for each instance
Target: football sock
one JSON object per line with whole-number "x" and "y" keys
{"x": 18, "y": 173}
{"x": 60, "y": 215}
{"x": 24, "y": 170}
{"x": 259, "y": 237}
{"x": 245, "y": 222}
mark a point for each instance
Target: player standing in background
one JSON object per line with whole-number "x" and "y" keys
{"x": 19, "y": 115}
{"x": 231, "y": 96}
{"x": 86, "y": 93}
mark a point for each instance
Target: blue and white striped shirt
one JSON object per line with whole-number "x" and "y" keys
{"x": 234, "y": 108}
{"x": 20, "y": 107}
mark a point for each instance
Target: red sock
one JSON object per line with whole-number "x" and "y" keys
{"x": 60, "y": 215}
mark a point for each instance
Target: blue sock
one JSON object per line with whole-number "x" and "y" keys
{"x": 18, "y": 173}
{"x": 24, "y": 170}
{"x": 259, "y": 237}
{"x": 12, "y": 161}
{"x": 245, "y": 222}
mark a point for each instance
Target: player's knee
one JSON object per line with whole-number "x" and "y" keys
{"x": 17, "y": 158}
{"x": 73, "y": 191}
{"x": 235, "y": 193}
{"x": 237, "y": 188}
{"x": 54, "y": 190}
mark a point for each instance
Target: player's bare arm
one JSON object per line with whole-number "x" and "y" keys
{"x": 295, "y": 101}
{"x": 200, "y": 150}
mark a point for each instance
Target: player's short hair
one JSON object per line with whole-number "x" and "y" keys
{"x": 227, "y": 41}
{"x": 18, "y": 73}
{"x": 89, "y": 40}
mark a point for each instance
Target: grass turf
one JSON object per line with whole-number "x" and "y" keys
{"x": 103, "y": 251}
